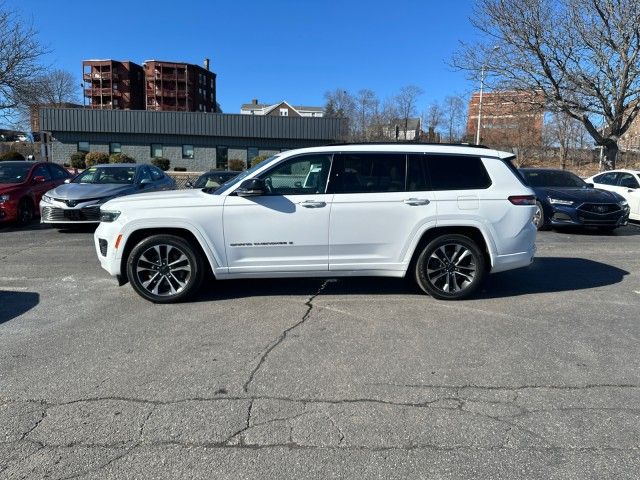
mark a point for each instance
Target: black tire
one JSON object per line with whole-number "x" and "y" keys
{"x": 444, "y": 261}
{"x": 541, "y": 223}
{"x": 150, "y": 271}
{"x": 25, "y": 212}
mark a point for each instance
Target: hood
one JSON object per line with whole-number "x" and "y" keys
{"x": 579, "y": 194}
{"x": 81, "y": 191}
{"x": 165, "y": 199}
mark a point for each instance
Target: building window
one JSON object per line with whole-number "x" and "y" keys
{"x": 187, "y": 151}
{"x": 222, "y": 157}
{"x": 115, "y": 147}
{"x": 284, "y": 112}
{"x": 83, "y": 146}
{"x": 156, "y": 150}
{"x": 252, "y": 152}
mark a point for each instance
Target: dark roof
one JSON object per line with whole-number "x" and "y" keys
{"x": 189, "y": 123}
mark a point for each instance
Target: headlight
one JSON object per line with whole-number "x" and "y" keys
{"x": 557, "y": 201}
{"x": 108, "y": 216}
{"x": 46, "y": 198}
{"x": 4, "y": 198}
{"x": 623, "y": 203}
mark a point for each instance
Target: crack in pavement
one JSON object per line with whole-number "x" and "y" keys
{"x": 283, "y": 336}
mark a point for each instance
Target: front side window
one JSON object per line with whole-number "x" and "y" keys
{"x": 41, "y": 171}
{"x": 627, "y": 180}
{"x": 115, "y": 147}
{"x": 83, "y": 146}
{"x": 156, "y": 150}
{"x": 187, "y": 151}
{"x": 368, "y": 173}
{"x": 304, "y": 175}
{"x": 453, "y": 172}
{"x": 156, "y": 173}
{"x": 57, "y": 172}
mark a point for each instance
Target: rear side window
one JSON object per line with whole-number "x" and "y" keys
{"x": 606, "y": 178}
{"x": 627, "y": 180}
{"x": 451, "y": 172}
{"x": 368, "y": 173}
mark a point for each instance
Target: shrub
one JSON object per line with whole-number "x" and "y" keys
{"x": 236, "y": 165}
{"x": 11, "y": 155}
{"x": 96, "y": 158}
{"x": 121, "y": 158}
{"x": 258, "y": 159}
{"x": 77, "y": 160}
{"x": 180, "y": 169}
{"x": 162, "y": 163}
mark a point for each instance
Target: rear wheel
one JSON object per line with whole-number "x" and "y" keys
{"x": 25, "y": 212}
{"x": 450, "y": 267}
{"x": 165, "y": 269}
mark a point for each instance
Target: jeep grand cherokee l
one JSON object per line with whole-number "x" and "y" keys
{"x": 445, "y": 215}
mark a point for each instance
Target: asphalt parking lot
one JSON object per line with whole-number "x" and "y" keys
{"x": 537, "y": 377}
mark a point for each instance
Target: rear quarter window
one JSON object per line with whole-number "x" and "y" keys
{"x": 457, "y": 172}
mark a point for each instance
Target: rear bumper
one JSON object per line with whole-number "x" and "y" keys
{"x": 503, "y": 263}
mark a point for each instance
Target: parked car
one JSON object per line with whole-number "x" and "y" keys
{"x": 79, "y": 200}
{"x": 623, "y": 182}
{"x": 444, "y": 215}
{"x": 564, "y": 199}
{"x": 213, "y": 179}
{"x": 22, "y": 185}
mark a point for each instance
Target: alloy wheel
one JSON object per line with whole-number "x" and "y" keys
{"x": 163, "y": 270}
{"x": 537, "y": 216}
{"x": 451, "y": 268}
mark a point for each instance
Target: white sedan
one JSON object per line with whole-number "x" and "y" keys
{"x": 624, "y": 182}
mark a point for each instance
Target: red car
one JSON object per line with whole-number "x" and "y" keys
{"x": 22, "y": 184}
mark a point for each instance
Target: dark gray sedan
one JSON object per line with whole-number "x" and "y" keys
{"x": 79, "y": 200}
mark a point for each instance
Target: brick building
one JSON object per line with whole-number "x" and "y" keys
{"x": 509, "y": 118}
{"x": 157, "y": 85}
{"x": 111, "y": 84}
{"x": 631, "y": 139}
{"x": 179, "y": 87}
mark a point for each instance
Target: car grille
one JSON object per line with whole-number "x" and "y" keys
{"x": 53, "y": 214}
{"x": 103, "y": 246}
{"x": 599, "y": 208}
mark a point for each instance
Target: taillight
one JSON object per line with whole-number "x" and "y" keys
{"x": 523, "y": 199}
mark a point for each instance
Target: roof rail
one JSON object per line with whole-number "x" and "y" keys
{"x": 472, "y": 145}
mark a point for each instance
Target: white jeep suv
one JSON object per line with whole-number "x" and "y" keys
{"x": 445, "y": 215}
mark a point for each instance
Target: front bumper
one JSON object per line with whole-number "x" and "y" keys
{"x": 8, "y": 211}
{"x": 104, "y": 239}
{"x": 587, "y": 215}
{"x": 58, "y": 212}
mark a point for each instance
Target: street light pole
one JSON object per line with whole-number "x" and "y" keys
{"x": 480, "y": 106}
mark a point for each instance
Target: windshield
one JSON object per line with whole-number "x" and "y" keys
{"x": 557, "y": 179}
{"x": 14, "y": 173}
{"x": 226, "y": 186}
{"x": 107, "y": 175}
{"x": 214, "y": 179}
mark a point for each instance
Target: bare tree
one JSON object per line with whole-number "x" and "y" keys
{"x": 341, "y": 104}
{"x": 366, "y": 108}
{"x": 565, "y": 132}
{"x": 57, "y": 87}
{"x": 406, "y": 104}
{"x": 582, "y": 55}
{"x": 454, "y": 117}
{"x": 434, "y": 116}
{"x": 20, "y": 51}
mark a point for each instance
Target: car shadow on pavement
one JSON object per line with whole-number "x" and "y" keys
{"x": 14, "y": 304}
{"x": 552, "y": 274}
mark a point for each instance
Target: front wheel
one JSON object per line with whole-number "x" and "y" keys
{"x": 538, "y": 217}
{"x": 165, "y": 269}
{"x": 25, "y": 212}
{"x": 450, "y": 267}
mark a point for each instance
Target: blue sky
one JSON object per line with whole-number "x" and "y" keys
{"x": 273, "y": 50}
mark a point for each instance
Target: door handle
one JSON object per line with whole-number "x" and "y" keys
{"x": 416, "y": 201}
{"x": 312, "y": 204}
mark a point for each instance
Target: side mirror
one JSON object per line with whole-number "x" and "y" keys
{"x": 251, "y": 188}
{"x": 188, "y": 185}
{"x": 591, "y": 185}
{"x": 39, "y": 179}
{"x": 67, "y": 180}
{"x": 144, "y": 182}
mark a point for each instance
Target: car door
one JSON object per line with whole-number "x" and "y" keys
{"x": 606, "y": 181}
{"x": 286, "y": 229}
{"x": 373, "y": 217}
{"x": 39, "y": 188}
{"x": 58, "y": 174}
{"x": 629, "y": 188}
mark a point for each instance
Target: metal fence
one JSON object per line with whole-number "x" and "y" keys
{"x": 182, "y": 178}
